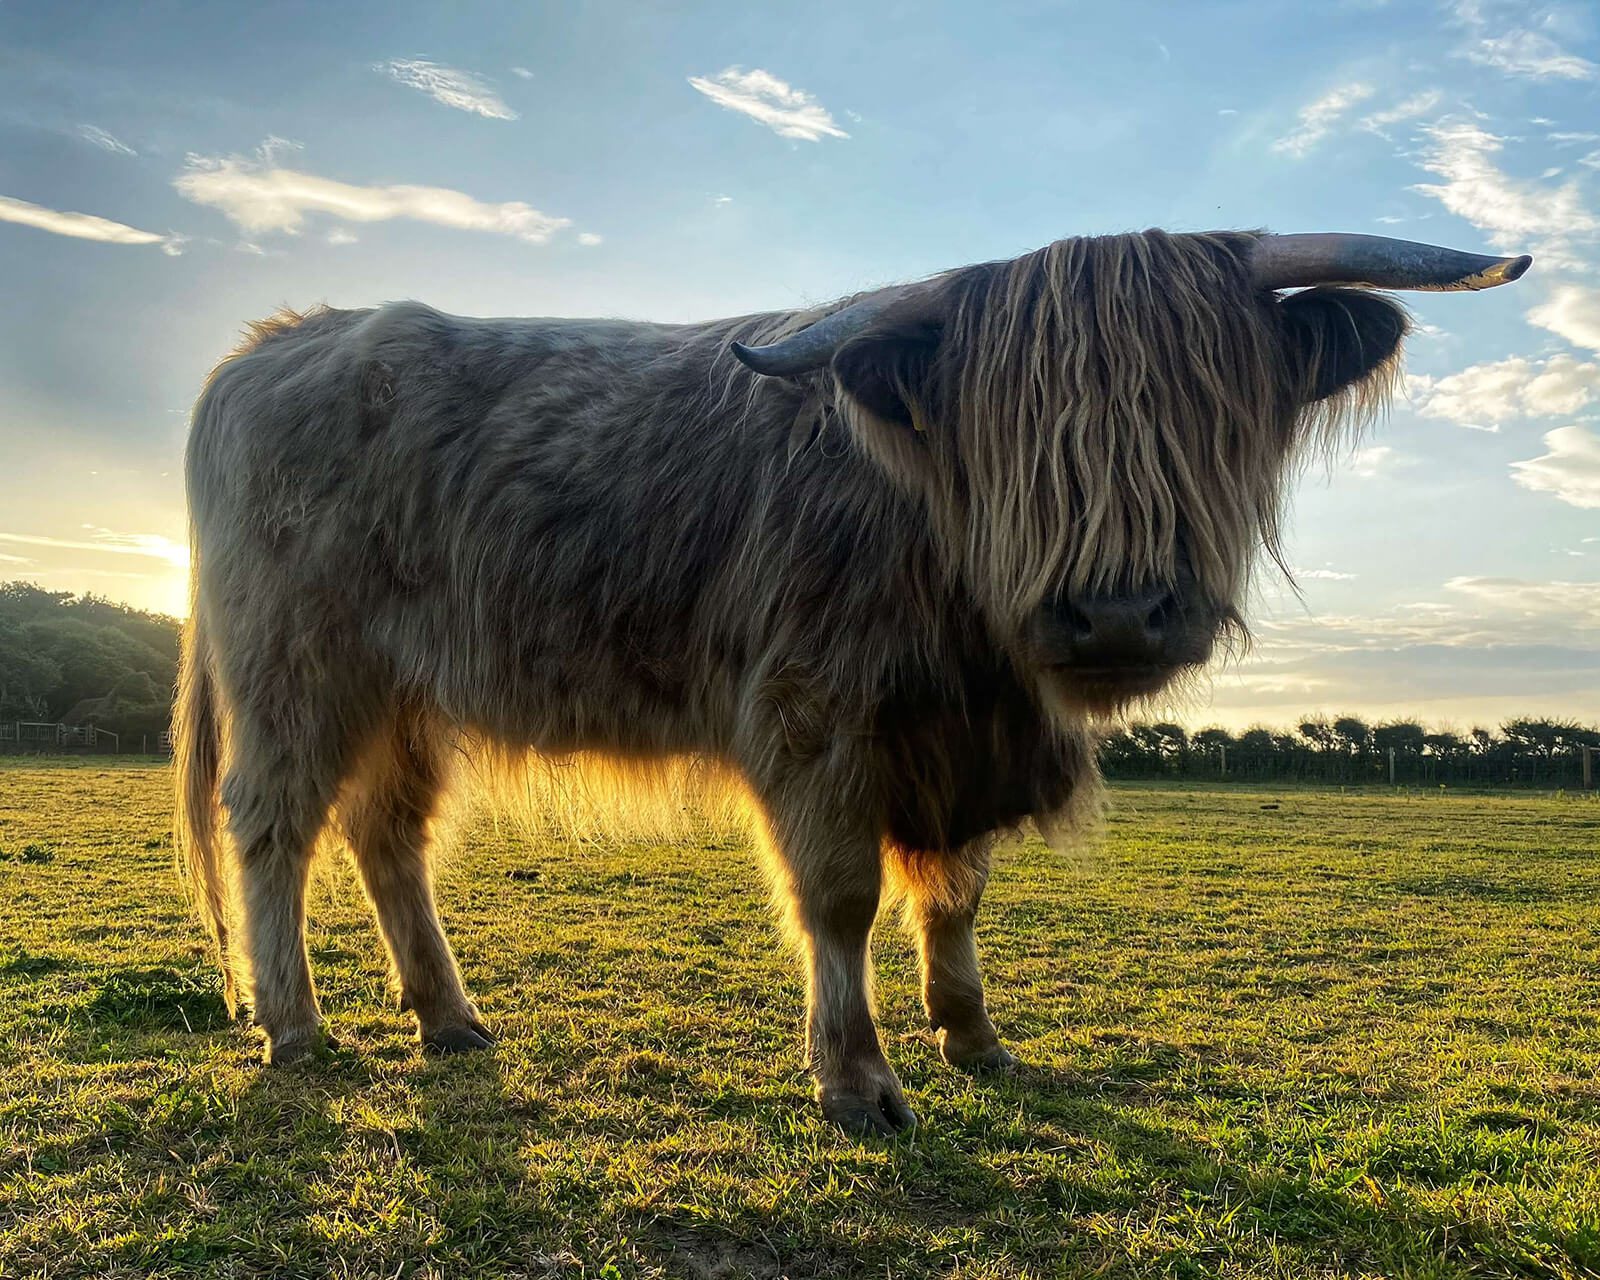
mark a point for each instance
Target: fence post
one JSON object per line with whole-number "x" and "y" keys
{"x": 1588, "y": 767}
{"x": 1223, "y": 748}
{"x": 1391, "y": 766}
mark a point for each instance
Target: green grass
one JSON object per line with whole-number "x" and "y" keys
{"x": 1346, "y": 1035}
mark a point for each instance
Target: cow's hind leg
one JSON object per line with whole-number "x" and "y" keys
{"x": 386, "y": 816}
{"x": 829, "y": 863}
{"x": 288, "y": 753}
{"x": 942, "y": 892}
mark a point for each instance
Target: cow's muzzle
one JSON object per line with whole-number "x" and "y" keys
{"x": 1125, "y": 643}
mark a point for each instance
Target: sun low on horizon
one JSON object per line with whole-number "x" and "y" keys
{"x": 167, "y": 178}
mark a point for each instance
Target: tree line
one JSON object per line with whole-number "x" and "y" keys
{"x": 1534, "y": 751}
{"x": 83, "y": 660}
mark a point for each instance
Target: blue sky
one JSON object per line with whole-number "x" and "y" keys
{"x": 169, "y": 171}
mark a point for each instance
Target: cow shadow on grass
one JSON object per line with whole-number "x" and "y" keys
{"x": 1066, "y": 1172}
{"x": 123, "y": 1014}
{"x": 982, "y": 1180}
{"x": 995, "y": 1185}
{"x": 370, "y": 1158}
{"x": 1056, "y": 1174}
{"x": 536, "y": 1161}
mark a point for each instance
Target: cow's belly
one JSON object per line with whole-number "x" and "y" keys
{"x": 532, "y": 682}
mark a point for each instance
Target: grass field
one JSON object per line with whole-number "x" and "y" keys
{"x": 1292, "y": 1034}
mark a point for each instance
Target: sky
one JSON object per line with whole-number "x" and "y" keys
{"x": 170, "y": 171}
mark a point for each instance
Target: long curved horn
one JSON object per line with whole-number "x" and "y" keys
{"x": 1287, "y": 262}
{"x": 814, "y": 346}
{"x": 1277, "y": 262}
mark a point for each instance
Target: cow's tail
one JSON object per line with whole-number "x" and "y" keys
{"x": 197, "y": 760}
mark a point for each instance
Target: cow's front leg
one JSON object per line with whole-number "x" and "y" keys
{"x": 855, "y": 1084}
{"x": 832, "y": 873}
{"x": 942, "y": 892}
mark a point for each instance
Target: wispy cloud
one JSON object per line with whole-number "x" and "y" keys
{"x": 448, "y": 86}
{"x": 1527, "y": 53}
{"x": 1474, "y": 613}
{"x": 1484, "y": 396}
{"x": 522, "y": 73}
{"x": 100, "y": 138}
{"x": 1499, "y": 646}
{"x": 83, "y": 226}
{"x": 1577, "y": 601}
{"x": 1562, "y": 385}
{"x": 1418, "y": 104}
{"x": 259, "y": 195}
{"x": 787, "y": 111}
{"x": 1322, "y": 575}
{"x": 1374, "y": 460}
{"x": 589, "y": 239}
{"x": 153, "y": 546}
{"x": 1317, "y": 118}
{"x": 1498, "y": 37}
{"x": 1572, "y": 312}
{"x": 1511, "y": 210}
{"x": 1570, "y": 470}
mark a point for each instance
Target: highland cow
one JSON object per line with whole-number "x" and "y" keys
{"x": 885, "y": 562}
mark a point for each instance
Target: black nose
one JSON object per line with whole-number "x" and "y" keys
{"x": 1132, "y": 630}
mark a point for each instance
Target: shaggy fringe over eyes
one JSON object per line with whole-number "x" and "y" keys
{"x": 1118, "y": 402}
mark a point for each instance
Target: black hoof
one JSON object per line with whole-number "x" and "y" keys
{"x": 883, "y": 1116}
{"x": 996, "y": 1061}
{"x": 467, "y": 1038}
{"x": 288, "y": 1052}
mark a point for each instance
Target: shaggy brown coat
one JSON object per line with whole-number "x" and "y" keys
{"x": 592, "y": 536}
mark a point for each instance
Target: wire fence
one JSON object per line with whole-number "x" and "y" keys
{"x": 1574, "y": 769}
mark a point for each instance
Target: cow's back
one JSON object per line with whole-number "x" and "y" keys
{"x": 504, "y": 513}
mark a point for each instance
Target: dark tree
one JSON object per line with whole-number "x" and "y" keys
{"x": 1352, "y": 734}
{"x": 1319, "y": 733}
{"x": 1209, "y": 739}
{"x": 26, "y": 677}
{"x": 84, "y": 660}
{"x": 1258, "y": 738}
{"x": 1445, "y": 746}
{"x": 1403, "y": 737}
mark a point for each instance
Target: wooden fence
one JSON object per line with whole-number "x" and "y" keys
{"x": 44, "y": 736}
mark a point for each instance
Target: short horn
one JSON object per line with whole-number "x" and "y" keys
{"x": 814, "y": 345}
{"x": 1287, "y": 262}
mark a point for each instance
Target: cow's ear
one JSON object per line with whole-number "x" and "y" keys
{"x": 890, "y": 371}
{"x": 1338, "y": 337}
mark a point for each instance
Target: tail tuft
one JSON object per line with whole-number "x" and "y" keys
{"x": 197, "y": 754}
